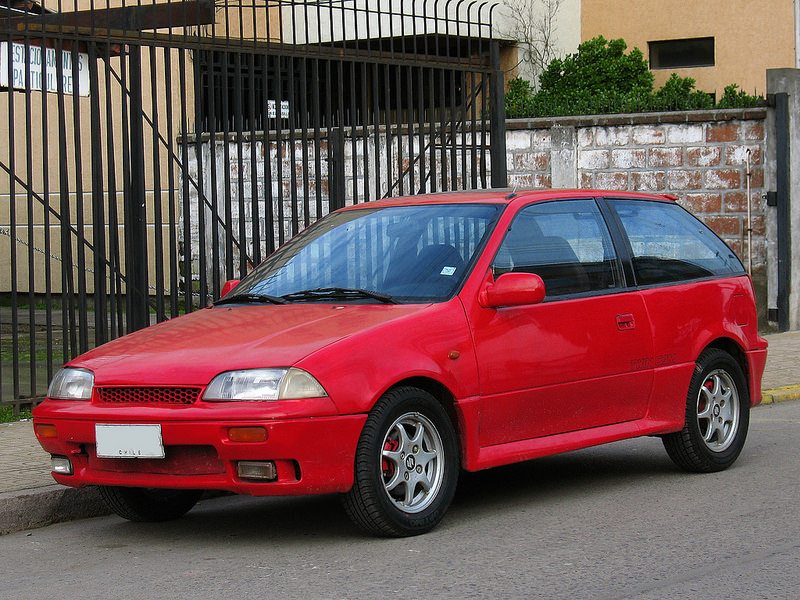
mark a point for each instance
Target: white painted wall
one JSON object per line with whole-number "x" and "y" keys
{"x": 568, "y": 29}
{"x": 363, "y": 19}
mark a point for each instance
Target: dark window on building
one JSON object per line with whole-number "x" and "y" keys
{"x": 669, "y": 244}
{"x": 673, "y": 54}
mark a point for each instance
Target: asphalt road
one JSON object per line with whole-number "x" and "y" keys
{"x": 611, "y": 522}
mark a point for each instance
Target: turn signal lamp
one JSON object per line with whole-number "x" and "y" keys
{"x": 247, "y": 434}
{"x": 45, "y": 431}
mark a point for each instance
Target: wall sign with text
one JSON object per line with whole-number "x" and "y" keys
{"x": 43, "y": 69}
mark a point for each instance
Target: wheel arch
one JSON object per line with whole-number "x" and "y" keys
{"x": 733, "y": 348}
{"x": 438, "y": 390}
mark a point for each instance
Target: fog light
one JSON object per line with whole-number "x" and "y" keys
{"x": 247, "y": 434}
{"x": 259, "y": 470}
{"x": 44, "y": 430}
{"x": 61, "y": 464}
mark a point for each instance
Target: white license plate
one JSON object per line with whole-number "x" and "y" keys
{"x": 129, "y": 441}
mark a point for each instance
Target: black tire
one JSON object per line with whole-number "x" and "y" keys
{"x": 688, "y": 448}
{"x": 368, "y": 503}
{"x": 149, "y": 505}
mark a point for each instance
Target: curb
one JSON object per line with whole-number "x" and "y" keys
{"x": 38, "y": 507}
{"x": 780, "y": 394}
{"x": 43, "y": 506}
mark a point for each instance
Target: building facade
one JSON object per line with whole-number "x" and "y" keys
{"x": 716, "y": 42}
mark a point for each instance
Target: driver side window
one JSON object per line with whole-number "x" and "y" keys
{"x": 566, "y": 243}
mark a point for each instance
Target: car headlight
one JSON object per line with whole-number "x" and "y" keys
{"x": 71, "y": 384}
{"x": 263, "y": 384}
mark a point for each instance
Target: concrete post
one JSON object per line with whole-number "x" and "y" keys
{"x": 785, "y": 81}
{"x": 564, "y": 157}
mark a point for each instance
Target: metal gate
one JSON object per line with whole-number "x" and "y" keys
{"x": 153, "y": 149}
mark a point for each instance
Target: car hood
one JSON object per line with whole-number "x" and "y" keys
{"x": 192, "y": 349}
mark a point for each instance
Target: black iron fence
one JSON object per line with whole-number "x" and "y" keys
{"x": 153, "y": 150}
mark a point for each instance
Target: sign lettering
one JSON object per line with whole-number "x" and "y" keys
{"x": 42, "y": 69}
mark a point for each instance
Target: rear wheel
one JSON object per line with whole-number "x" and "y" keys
{"x": 406, "y": 466}
{"x": 149, "y": 505}
{"x": 717, "y": 416}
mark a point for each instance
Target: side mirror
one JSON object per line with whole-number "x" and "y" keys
{"x": 228, "y": 286}
{"x": 512, "y": 289}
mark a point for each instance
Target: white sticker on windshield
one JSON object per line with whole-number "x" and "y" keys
{"x": 448, "y": 271}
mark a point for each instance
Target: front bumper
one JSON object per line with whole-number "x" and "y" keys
{"x": 313, "y": 455}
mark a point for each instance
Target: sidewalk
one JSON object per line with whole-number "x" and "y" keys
{"x": 29, "y": 498}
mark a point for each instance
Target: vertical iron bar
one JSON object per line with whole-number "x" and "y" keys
{"x": 421, "y": 128}
{"x": 315, "y": 107}
{"x": 269, "y": 217}
{"x": 135, "y": 215}
{"x": 226, "y": 171}
{"x": 32, "y": 329}
{"x": 498, "y": 124}
{"x": 201, "y": 126}
{"x": 77, "y": 131}
{"x": 484, "y": 104}
{"x": 116, "y": 304}
{"x": 67, "y": 313}
{"x": 186, "y": 268}
{"x": 238, "y": 117}
{"x": 290, "y": 84}
{"x": 98, "y": 213}
{"x": 171, "y": 158}
{"x": 48, "y": 272}
{"x": 12, "y": 151}
{"x": 158, "y": 238}
{"x": 783, "y": 179}
{"x": 279, "y": 144}
{"x": 255, "y": 214}
{"x": 442, "y": 125}
{"x": 304, "y": 135}
{"x": 432, "y": 130}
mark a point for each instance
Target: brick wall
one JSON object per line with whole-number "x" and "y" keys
{"x": 700, "y": 157}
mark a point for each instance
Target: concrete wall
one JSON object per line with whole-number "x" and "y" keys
{"x": 750, "y": 36}
{"x": 786, "y": 81}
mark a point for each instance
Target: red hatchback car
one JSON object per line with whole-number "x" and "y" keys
{"x": 394, "y": 343}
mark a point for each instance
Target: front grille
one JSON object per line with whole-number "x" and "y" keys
{"x": 148, "y": 395}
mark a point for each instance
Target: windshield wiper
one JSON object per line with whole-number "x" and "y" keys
{"x": 250, "y": 299}
{"x": 338, "y": 293}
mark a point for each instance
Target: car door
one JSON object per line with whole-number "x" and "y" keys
{"x": 580, "y": 359}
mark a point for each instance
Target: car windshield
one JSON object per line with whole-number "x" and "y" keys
{"x": 383, "y": 254}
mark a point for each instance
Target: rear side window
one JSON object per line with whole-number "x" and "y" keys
{"x": 669, "y": 244}
{"x": 566, "y": 243}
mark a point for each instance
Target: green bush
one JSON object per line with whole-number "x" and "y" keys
{"x": 519, "y": 99}
{"x": 600, "y": 78}
{"x": 679, "y": 93}
{"x": 733, "y": 97}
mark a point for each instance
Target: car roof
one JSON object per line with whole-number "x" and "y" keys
{"x": 505, "y": 196}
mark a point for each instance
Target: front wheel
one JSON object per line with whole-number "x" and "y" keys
{"x": 149, "y": 505}
{"x": 717, "y": 416}
{"x": 406, "y": 466}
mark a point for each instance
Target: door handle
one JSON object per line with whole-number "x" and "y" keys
{"x": 625, "y": 322}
